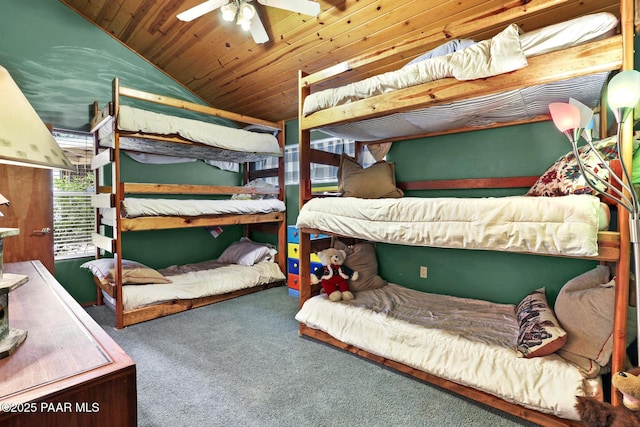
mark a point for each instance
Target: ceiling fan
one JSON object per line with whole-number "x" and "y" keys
{"x": 245, "y": 14}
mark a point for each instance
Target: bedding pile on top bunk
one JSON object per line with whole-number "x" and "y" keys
{"x": 223, "y": 137}
{"x": 546, "y": 225}
{"x": 467, "y": 341}
{"x": 485, "y": 55}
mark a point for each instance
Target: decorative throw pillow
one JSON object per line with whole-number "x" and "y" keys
{"x": 133, "y": 273}
{"x": 247, "y": 252}
{"x": 565, "y": 177}
{"x": 375, "y": 182}
{"x": 540, "y": 333}
{"x": 585, "y": 308}
{"x": 361, "y": 257}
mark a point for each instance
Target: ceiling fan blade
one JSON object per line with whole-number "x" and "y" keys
{"x": 257, "y": 30}
{"x": 306, "y": 7}
{"x": 199, "y": 10}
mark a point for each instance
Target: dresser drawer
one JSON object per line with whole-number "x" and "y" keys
{"x": 293, "y": 281}
{"x": 293, "y": 251}
{"x": 293, "y": 265}
{"x": 293, "y": 235}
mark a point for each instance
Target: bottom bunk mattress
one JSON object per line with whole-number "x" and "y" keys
{"x": 565, "y": 225}
{"x": 200, "y": 280}
{"x": 470, "y": 342}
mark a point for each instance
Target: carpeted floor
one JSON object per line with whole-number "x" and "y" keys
{"x": 242, "y": 363}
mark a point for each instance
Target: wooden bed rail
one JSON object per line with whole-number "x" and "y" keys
{"x": 598, "y": 56}
{"x": 192, "y": 106}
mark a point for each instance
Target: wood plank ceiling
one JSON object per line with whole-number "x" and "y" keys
{"x": 220, "y": 63}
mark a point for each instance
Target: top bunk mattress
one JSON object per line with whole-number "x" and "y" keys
{"x": 134, "y": 207}
{"x": 505, "y": 52}
{"x": 221, "y": 137}
{"x": 566, "y": 225}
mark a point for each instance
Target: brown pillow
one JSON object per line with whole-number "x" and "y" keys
{"x": 375, "y": 182}
{"x": 361, "y": 257}
{"x": 585, "y": 308}
{"x": 133, "y": 273}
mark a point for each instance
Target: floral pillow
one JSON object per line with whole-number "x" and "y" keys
{"x": 565, "y": 177}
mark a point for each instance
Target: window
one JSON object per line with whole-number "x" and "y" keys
{"x": 319, "y": 173}
{"x": 73, "y": 216}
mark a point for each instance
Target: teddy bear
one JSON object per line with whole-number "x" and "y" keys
{"x": 595, "y": 413}
{"x": 334, "y": 276}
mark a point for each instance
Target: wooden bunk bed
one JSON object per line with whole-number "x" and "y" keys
{"x": 258, "y": 208}
{"x": 611, "y": 53}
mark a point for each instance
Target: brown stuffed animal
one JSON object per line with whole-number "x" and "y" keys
{"x": 595, "y": 413}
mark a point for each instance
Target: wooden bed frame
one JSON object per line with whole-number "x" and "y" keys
{"x": 610, "y": 54}
{"x": 110, "y": 196}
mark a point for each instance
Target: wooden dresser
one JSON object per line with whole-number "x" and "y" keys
{"x": 68, "y": 372}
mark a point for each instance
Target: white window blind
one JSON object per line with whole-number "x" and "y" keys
{"x": 73, "y": 224}
{"x": 73, "y": 217}
{"x": 319, "y": 173}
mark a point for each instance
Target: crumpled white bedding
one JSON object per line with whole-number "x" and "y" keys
{"x": 500, "y": 54}
{"x": 566, "y": 225}
{"x": 200, "y": 280}
{"x": 133, "y": 207}
{"x": 505, "y": 52}
{"x": 470, "y": 342}
{"x": 224, "y": 137}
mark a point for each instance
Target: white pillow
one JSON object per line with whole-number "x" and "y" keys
{"x": 247, "y": 252}
{"x": 569, "y": 33}
{"x": 260, "y": 184}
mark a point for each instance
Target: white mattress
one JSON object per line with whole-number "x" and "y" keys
{"x": 133, "y": 207}
{"x": 205, "y": 279}
{"x": 223, "y": 137}
{"x": 565, "y": 225}
{"x": 470, "y": 342}
{"x": 518, "y": 104}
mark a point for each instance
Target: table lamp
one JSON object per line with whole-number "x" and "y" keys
{"x": 24, "y": 141}
{"x": 573, "y": 118}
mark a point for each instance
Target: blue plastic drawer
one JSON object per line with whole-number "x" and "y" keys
{"x": 293, "y": 266}
{"x": 293, "y": 235}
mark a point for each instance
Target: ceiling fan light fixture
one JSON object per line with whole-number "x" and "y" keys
{"x": 246, "y": 12}
{"x": 229, "y": 11}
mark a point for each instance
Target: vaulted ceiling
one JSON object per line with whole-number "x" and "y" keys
{"x": 221, "y": 64}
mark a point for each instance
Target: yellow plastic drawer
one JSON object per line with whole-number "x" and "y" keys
{"x": 293, "y": 251}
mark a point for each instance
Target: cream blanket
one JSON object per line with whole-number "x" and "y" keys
{"x": 133, "y": 207}
{"x": 224, "y": 137}
{"x": 500, "y": 54}
{"x": 565, "y": 225}
{"x": 200, "y": 280}
{"x": 467, "y": 341}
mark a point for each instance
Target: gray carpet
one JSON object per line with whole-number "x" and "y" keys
{"x": 242, "y": 363}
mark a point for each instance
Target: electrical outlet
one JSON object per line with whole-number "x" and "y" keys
{"x": 423, "y": 272}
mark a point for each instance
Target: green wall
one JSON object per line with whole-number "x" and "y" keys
{"x": 525, "y": 150}
{"x": 65, "y": 65}
{"x": 68, "y": 63}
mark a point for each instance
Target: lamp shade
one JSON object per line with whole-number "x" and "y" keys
{"x": 24, "y": 138}
{"x": 565, "y": 116}
{"x": 624, "y": 89}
